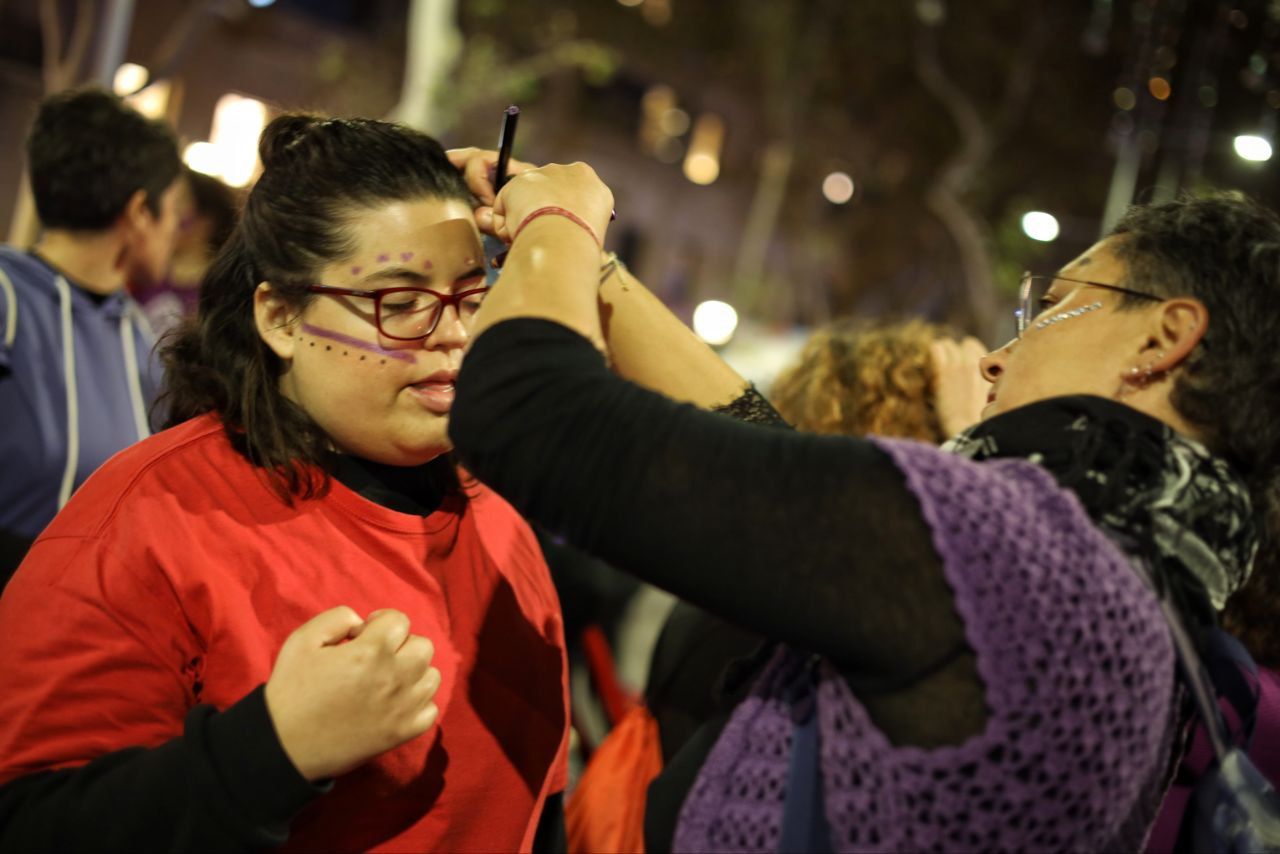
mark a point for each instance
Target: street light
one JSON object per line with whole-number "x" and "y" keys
{"x": 1041, "y": 226}
{"x": 1253, "y": 147}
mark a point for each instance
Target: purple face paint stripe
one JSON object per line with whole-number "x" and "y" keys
{"x": 320, "y": 332}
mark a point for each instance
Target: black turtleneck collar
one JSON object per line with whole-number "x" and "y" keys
{"x": 418, "y": 490}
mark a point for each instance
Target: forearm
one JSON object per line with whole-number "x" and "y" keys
{"x": 225, "y": 785}
{"x": 651, "y": 347}
{"x": 804, "y": 539}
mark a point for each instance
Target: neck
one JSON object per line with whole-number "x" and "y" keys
{"x": 94, "y": 260}
{"x": 1154, "y": 400}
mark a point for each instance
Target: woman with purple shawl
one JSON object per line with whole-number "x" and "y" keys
{"x": 963, "y": 656}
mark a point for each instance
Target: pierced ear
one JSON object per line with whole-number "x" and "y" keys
{"x": 1180, "y": 326}
{"x": 277, "y": 320}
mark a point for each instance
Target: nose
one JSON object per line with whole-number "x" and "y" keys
{"x": 992, "y": 364}
{"x": 450, "y": 333}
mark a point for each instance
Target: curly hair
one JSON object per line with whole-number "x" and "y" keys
{"x": 855, "y": 378}
{"x": 1224, "y": 250}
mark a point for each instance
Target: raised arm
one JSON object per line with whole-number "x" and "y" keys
{"x": 806, "y": 539}
{"x": 647, "y": 344}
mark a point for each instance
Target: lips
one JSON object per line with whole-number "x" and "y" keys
{"x": 435, "y": 393}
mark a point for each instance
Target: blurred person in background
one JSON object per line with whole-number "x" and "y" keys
{"x": 210, "y": 214}
{"x": 288, "y": 620}
{"x": 909, "y": 379}
{"x": 77, "y": 371}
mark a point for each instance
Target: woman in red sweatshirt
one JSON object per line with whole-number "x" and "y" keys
{"x": 289, "y": 619}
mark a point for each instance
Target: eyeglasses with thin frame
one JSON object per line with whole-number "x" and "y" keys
{"x": 1032, "y": 291}
{"x": 411, "y": 314}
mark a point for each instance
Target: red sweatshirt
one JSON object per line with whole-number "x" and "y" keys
{"x": 168, "y": 584}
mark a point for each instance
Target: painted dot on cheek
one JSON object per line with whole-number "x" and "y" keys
{"x": 327, "y": 347}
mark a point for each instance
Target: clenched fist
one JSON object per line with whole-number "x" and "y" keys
{"x": 336, "y": 705}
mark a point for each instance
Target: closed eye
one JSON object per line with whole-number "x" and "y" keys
{"x": 469, "y": 280}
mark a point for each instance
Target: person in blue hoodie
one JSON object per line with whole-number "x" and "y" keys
{"x": 77, "y": 373}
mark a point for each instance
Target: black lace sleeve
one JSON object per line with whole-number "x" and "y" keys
{"x": 811, "y": 540}
{"x": 752, "y": 408}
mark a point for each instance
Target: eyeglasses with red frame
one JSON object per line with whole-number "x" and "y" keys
{"x": 411, "y": 314}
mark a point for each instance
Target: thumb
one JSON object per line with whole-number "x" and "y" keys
{"x": 332, "y": 626}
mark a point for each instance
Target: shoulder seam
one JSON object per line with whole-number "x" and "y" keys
{"x": 143, "y": 469}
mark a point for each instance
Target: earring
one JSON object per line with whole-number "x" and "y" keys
{"x": 1138, "y": 377}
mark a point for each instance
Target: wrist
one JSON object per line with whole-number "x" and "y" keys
{"x": 560, "y": 213}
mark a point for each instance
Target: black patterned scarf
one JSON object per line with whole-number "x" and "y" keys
{"x": 1157, "y": 493}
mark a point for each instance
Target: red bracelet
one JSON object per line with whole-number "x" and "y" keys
{"x": 557, "y": 211}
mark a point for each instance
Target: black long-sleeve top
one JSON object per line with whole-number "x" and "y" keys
{"x": 814, "y": 541}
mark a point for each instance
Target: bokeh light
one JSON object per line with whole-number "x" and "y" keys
{"x": 837, "y": 188}
{"x": 1252, "y": 147}
{"x": 702, "y": 163}
{"x": 129, "y": 78}
{"x": 1041, "y": 226}
{"x": 715, "y": 322}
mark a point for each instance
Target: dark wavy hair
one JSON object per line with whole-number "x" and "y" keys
{"x": 88, "y": 152}
{"x": 318, "y": 175}
{"x": 1224, "y": 250}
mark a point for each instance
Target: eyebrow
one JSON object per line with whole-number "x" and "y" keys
{"x": 413, "y": 275}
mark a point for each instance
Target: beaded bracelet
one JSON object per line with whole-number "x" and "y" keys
{"x": 552, "y": 210}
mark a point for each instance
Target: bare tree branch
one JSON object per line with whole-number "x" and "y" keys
{"x": 61, "y": 68}
{"x": 170, "y": 51}
{"x": 78, "y": 46}
{"x": 978, "y": 139}
{"x": 51, "y": 38}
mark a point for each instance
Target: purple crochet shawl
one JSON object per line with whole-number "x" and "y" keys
{"x": 1079, "y": 675}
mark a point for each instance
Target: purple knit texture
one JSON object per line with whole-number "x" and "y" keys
{"x": 1079, "y": 675}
